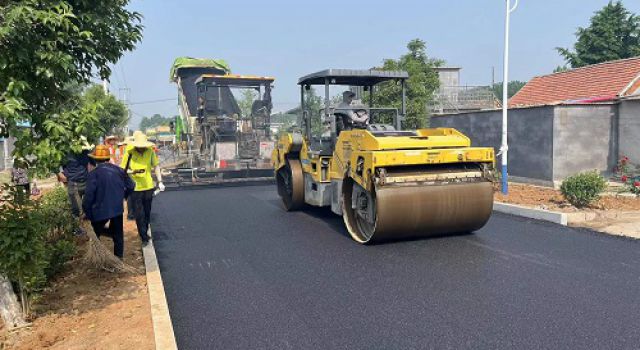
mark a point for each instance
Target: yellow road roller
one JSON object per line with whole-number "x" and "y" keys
{"x": 387, "y": 183}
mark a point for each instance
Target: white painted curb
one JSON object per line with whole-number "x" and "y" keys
{"x": 538, "y": 214}
{"x": 162, "y": 326}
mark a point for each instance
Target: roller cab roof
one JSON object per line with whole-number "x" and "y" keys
{"x": 354, "y": 77}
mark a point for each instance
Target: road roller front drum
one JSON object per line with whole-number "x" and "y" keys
{"x": 413, "y": 211}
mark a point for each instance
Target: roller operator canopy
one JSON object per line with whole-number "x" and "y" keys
{"x": 353, "y": 77}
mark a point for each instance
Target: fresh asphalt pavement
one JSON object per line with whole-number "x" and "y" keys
{"x": 241, "y": 273}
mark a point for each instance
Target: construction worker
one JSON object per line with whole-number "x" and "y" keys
{"x": 74, "y": 175}
{"x": 20, "y": 176}
{"x": 139, "y": 161}
{"x": 354, "y": 111}
{"x": 110, "y": 141}
{"x": 107, "y": 187}
{"x": 122, "y": 150}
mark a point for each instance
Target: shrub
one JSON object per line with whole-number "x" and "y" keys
{"x": 23, "y": 258}
{"x": 630, "y": 179}
{"x": 584, "y": 188}
{"x": 55, "y": 210}
{"x": 57, "y": 256}
{"x": 36, "y": 239}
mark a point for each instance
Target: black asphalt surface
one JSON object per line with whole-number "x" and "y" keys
{"x": 241, "y": 273}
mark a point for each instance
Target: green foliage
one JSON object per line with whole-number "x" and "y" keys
{"x": 153, "y": 121}
{"x": 58, "y": 254}
{"x": 247, "y": 96}
{"x": 112, "y": 115}
{"x": 55, "y": 210}
{"x": 287, "y": 121}
{"x": 35, "y": 238}
{"x": 423, "y": 81}
{"x": 23, "y": 258}
{"x": 47, "y": 48}
{"x": 313, "y": 104}
{"x": 630, "y": 178}
{"x": 560, "y": 69}
{"x": 513, "y": 87}
{"x": 614, "y": 33}
{"x": 583, "y": 189}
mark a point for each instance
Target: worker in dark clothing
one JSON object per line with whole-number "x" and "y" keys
{"x": 74, "y": 175}
{"x": 20, "y": 176}
{"x": 107, "y": 187}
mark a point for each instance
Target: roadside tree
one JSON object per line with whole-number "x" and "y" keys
{"x": 245, "y": 102}
{"x": 614, "y": 33}
{"x": 46, "y": 47}
{"x": 512, "y": 88}
{"x": 153, "y": 121}
{"x": 112, "y": 114}
{"x": 422, "y": 83}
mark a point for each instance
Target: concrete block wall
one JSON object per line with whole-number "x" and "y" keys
{"x": 530, "y": 137}
{"x": 585, "y": 138}
{"x": 546, "y": 143}
{"x": 629, "y": 130}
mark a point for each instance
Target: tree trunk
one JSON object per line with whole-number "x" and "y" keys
{"x": 10, "y": 309}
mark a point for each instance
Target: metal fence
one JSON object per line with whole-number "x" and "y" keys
{"x": 454, "y": 99}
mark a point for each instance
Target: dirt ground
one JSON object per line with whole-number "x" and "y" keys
{"x": 611, "y": 214}
{"x": 89, "y": 309}
{"x": 550, "y": 199}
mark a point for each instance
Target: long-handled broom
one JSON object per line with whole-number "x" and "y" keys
{"x": 97, "y": 254}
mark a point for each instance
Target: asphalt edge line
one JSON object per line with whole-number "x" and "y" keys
{"x": 531, "y": 213}
{"x": 162, "y": 327}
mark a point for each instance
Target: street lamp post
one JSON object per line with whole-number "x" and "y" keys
{"x": 504, "y": 147}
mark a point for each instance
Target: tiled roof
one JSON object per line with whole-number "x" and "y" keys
{"x": 594, "y": 83}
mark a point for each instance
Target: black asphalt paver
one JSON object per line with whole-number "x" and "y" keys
{"x": 241, "y": 273}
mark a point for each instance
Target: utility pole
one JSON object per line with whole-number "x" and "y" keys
{"x": 105, "y": 86}
{"x": 493, "y": 76}
{"x": 125, "y": 92}
{"x": 504, "y": 148}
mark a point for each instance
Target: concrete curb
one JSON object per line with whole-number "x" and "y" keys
{"x": 162, "y": 326}
{"x": 538, "y": 214}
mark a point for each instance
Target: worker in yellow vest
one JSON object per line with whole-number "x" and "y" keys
{"x": 139, "y": 162}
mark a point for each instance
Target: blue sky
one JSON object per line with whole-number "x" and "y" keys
{"x": 287, "y": 39}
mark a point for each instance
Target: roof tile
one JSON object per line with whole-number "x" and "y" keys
{"x": 595, "y": 82}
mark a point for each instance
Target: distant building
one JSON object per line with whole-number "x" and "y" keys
{"x": 452, "y": 97}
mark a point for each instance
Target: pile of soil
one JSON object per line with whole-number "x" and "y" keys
{"x": 85, "y": 308}
{"x": 551, "y": 199}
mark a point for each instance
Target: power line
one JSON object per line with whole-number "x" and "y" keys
{"x": 153, "y": 101}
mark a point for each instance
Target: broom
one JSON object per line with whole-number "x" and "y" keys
{"x": 97, "y": 254}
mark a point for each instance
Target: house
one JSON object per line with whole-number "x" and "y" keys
{"x": 564, "y": 123}
{"x": 608, "y": 81}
